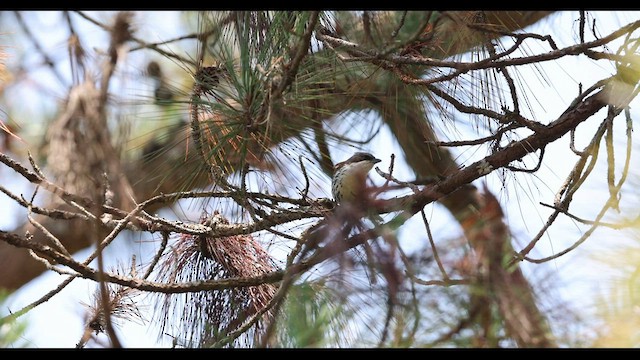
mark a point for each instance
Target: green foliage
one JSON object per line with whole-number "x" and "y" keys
{"x": 11, "y": 331}
{"x": 315, "y": 317}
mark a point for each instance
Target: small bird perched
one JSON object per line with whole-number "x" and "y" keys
{"x": 348, "y": 187}
{"x": 349, "y": 177}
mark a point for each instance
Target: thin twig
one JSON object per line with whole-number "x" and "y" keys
{"x": 572, "y": 143}
{"x": 158, "y": 224}
{"x": 304, "y": 192}
{"x": 495, "y": 137}
{"x": 47, "y": 59}
{"x": 46, "y": 297}
{"x": 532, "y": 170}
{"x": 139, "y": 41}
{"x": 387, "y": 322}
{"x": 50, "y": 266}
{"x": 391, "y": 62}
{"x": 434, "y": 249}
{"x": 395, "y": 32}
{"x": 445, "y": 283}
{"x": 582, "y": 239}
{"x": 608, "y": 140}
{"x": 389, "y": 171}
{"x": 52, "y": 213}
{"x": 46, "y": 233}
{"x": 506, "y": 119}
{"x": 388, "y": 177}
{"x": 570, "y": 186}
{"x": 615, "y": 226}
{"x": 47, "y": 185}
{"x": 417, "y": 36}
{"x": 39, "y": 226}
{"x": 154, "y": 46}
{"x": 159, "y": 252}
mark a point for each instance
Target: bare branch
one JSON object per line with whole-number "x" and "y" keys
{"x": 156, "y": 258}
{"x": 395, "y": 32}
{"x": 615, "y": 226}
{"x": 46, "y": 58}
{"x": 142, "y": 43}
{"x": 582, "y": 239}
{"x": 434, "y": 249}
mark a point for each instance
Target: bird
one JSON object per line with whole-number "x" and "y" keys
{"x": 348, "y": 187}
{"x": 349, "y": 178}
{"x": 162, "y": 92}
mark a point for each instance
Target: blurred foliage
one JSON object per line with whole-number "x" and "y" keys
{"x": 316, "y": 316}
{"x": 11, "y": 331}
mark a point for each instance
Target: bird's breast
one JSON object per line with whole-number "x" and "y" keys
{"x": 349, "y": 181}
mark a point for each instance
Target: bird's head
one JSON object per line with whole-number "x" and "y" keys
{"x": 360, "y": 162}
